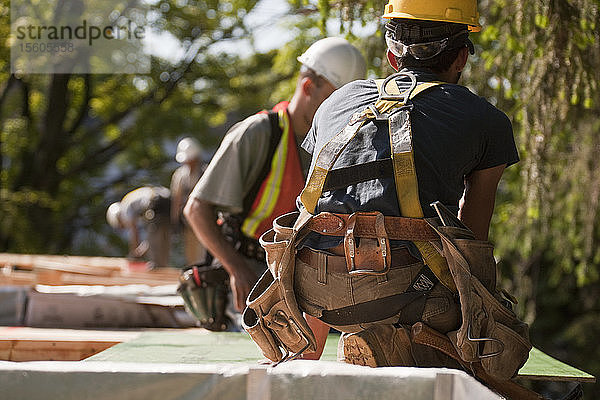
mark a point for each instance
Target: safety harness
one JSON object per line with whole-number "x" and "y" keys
{"x": 394, "y": 107}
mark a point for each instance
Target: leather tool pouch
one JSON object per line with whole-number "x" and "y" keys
{"x": 270, "y": 322}
{"x": 490, "y": 332}
{"x": 204, "y": 289}
{"x": 276, "y": 240}
{"x": 272, "y": 317}
{"x": 369, "y": 255}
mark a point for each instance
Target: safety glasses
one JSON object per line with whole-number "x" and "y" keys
{"x": 420, "y": 51}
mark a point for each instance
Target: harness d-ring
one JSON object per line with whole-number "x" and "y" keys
{"x": 402, "y": 96}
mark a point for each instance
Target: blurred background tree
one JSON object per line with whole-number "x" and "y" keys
{"x": 72, "y": 144}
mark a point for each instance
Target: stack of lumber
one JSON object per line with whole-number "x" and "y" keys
{"x": 31, "y": 270}
{"x": 33, "y": 344}
{"x": 88, "y": 292}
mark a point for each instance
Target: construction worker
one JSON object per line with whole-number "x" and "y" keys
{"x": 447, "y": 145}
{"x": 258, "y": 170}
{"x": 149, "y": 207}
{"x": 189, "y": 155}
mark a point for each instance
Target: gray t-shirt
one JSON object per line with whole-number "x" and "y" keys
{"x": 454, "y": 132}
{"x": 237, "y": 164}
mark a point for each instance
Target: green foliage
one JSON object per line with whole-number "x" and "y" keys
{"x": 546, "y": 227}
{"x": 71, "y": 144}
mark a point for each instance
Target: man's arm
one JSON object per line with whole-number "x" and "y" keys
{"x": 176, "y": 199}
{"x": 201, "y": 217}
{"x": 477, "y": 204}
{"x": 136, "y": 248}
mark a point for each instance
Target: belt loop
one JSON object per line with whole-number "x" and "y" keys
{"x": 322, "y": 268}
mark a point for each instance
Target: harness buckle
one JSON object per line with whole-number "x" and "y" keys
{"x": 372, "y": 256}
{"x": 378, "y": 116}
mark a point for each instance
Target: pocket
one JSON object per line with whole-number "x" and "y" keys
{"x": 261, "y": 336}
{"x": 480, "y": 256}
{"x": 264, "y": 294}
{"x": 313, "y": 296}
{"x": 284, "y": 224}
{"x": 499, "y": 312}
{"x": 279, "y": 322}
{"x": 441, "y": 313}
{"x": 273, "y": 249}
{"x": 512, "y": 348}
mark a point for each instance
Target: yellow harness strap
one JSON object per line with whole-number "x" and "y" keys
{"x": 405, "y": 175}
{"x": 407, "y": 187}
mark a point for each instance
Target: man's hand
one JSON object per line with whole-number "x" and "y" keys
{"x": 141, "y": 249}
{"x": 241, "y": 280}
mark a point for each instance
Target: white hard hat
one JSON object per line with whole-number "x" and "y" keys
{"x": 187, "y": 149}
{"x": 336, "y": 60}
{"x": 113, "y": 215}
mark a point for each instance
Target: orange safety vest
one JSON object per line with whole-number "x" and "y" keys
{"x": 278, "y": 192}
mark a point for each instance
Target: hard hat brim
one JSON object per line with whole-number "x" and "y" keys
{"x": 474, "y": 27}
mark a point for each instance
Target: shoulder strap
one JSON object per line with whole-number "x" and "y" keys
{"x": 407, "y": 187}
{"x": 331, "y": 151}
{"x": 274, "y": 139}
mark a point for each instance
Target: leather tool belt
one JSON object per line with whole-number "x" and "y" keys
{"x": 367, "y": 237}
{"x": 338, "y": 264}
{"x": 273, "y": 318}
{"x": 367, "y": 224}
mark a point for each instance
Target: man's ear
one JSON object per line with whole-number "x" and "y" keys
{"x": 307, "y": 86}
{"x": 392, "y": 60}
{"x": 461, "y": 59}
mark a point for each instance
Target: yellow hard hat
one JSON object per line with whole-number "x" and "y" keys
{"x": 453, "y": 11}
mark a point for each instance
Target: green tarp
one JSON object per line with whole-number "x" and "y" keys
{"x": 197, "y": 346}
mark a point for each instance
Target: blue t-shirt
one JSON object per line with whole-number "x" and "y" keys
{"x": 454, "y": 133}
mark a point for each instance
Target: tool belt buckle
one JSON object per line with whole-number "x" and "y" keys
{"x": 372, "y": 256}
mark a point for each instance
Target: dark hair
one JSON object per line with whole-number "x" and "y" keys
{"x": 438, "y": 64}
{"x": 309, "y": 73}
{"x": 411, "y": 31}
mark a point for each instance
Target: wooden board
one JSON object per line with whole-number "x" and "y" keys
{"x": 188, "y": 346}
{"x": 30, "y": 270}
{"x": 36, "y": 344}
{"x": 29, "y": 261}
